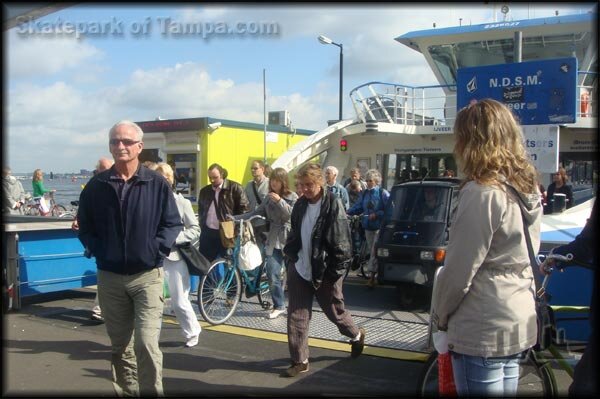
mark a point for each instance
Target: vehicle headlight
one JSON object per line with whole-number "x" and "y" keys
{"x": 383, "y": 252}
{"x": 426, "y": 255}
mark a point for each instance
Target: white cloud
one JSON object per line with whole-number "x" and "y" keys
{"x": 58, "y": 123}
{"x": 34, "y": 57}
{"x": 61, "y": 125}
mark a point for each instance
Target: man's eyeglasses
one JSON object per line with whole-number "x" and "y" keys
{"x": 126, "y": 142}
{"x": 369, "y": 180}
{"x": 255, "y": 168}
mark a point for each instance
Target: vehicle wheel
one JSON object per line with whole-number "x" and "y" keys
{"x": 535, "y": 378}
{"x": 58, "y": 210}
{"x": 407, "y": 294}
{"x": 264, "y": 293}
{"x": 219, "y": 292}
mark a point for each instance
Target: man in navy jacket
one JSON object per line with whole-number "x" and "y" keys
{"x": 128, "y": 221}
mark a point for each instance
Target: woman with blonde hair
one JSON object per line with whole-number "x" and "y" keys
{"x": 484, "y": 298}
{"x": 176, "y": 272}
{"x": 39, "y": 190}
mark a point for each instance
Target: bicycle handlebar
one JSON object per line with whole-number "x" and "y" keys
{"x": 255, "y": 217}
{"x": 548, "y": 269}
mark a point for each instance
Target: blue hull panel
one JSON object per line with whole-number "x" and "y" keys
{"x": 52, "y": 260}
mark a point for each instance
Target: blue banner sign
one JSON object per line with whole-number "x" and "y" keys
{"x": 538, "y": 92}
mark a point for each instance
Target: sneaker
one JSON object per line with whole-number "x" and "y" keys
{"x": 359, "y": 344}
{"x": 192, "y": 341}
{"x": 97, "y": 317}
{"x": 275, "y": 313}
{"x": 295, "y": 369}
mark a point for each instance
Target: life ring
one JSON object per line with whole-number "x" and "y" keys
{"x": 585, "y": 104}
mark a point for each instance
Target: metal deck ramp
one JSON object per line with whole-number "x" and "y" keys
{"x": 385, "y": 329}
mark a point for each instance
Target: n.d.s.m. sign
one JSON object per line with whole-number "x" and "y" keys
{"x": 538, "y": 92}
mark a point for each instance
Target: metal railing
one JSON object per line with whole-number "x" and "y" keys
{"x": 431, "y": 105}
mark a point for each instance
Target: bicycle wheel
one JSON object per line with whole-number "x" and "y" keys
{"x": 264, "y": 293}
{"x": 31, "y": 210}
{"x": 219, "y": 292}
{"x": 535, "y": 378}
{"x": 363, "y": 260}
{"x": 427, "y": 385}
{"x": 58, "y": 210}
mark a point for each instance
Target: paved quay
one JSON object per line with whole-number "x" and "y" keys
{"x": 51, "y": 347}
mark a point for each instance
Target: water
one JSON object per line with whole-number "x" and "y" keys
{"x": 66, "y": 189}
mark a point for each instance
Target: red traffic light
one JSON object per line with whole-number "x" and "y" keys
{"x": 343, "y": 145}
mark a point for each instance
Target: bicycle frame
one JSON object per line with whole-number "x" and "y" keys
{"x": 541, "y": 296}
{"x": 220, "y": 290}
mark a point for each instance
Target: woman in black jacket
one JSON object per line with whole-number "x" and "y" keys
{"x": 559, "y": 186}
{"x": 318, "y": 252}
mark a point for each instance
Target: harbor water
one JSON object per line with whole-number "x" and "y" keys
{"x": 67, "y": 189}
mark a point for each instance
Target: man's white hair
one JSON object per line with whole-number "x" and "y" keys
{"x": 138, "y": 129}
{"x": 332, "y": 169}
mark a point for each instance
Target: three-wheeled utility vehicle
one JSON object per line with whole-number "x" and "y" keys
{"x": 413, "y": 237}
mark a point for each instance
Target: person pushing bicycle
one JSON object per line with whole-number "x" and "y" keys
{"x": 583, "y": 248}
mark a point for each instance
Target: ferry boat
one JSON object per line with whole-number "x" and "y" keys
{"x": 399, "y": 126}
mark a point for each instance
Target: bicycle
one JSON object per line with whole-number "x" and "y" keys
{"x": 70, "y": 213}
{"x": 536, "y": 374}
{"x": 221, "y": 288}
{"x": 33, "y": 207}
{"x": 360, "y": 251}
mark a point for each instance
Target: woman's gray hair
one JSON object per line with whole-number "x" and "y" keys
{"x": 373, "y": 174}
{"x": 138, "y": 129}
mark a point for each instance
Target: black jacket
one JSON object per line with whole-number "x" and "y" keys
{"x": 331, "y": 244}
{"x": 152, "y": 222}
{"x": 232, "y": 201}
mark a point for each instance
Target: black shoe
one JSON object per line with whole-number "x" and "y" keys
{"x": 359, "y": 344}
{"x": 295, "y": 369}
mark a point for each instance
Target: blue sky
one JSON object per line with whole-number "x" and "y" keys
{"x": 63, "y": 94}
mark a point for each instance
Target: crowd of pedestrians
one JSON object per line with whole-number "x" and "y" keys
{"x": 131, "y": 220}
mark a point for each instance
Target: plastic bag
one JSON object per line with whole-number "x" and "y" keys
{"x": 250, "y": 256}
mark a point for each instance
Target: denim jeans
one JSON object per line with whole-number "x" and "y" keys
{"x": 480, "y": 376}
{"x": 274, "y": 269}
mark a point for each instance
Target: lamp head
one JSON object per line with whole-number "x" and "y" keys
{"x": 324, "y": 40}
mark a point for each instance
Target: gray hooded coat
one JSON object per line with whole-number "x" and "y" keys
{"x": 485, "y": 293}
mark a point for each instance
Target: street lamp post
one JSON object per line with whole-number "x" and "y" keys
{"x": 326, "y": 40}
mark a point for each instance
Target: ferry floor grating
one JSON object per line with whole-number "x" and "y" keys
{"x": 393, "y": 330}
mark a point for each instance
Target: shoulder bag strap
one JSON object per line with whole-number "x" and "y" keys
{"x": 256, "y": 192}
{"x": 532, "y": 257}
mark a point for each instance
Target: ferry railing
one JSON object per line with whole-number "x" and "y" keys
{"x": 432, "y": 105}
{"x": 403, "y": 104}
